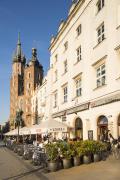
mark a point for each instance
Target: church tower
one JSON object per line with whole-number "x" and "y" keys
{"x": 25, "y": 79}
{"x": 33, "y": 79}
{"x": 17, "y": 82}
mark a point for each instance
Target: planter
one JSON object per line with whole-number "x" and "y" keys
{"x": 15, "y": 149}
{"x": 67, "y": 163}
{"x": 87, "y": 159}
{"x": 96, "y": 157}
{"x": 77, "y": 161}
{"x": 53, "y": 166}
{"x": 60, "y": 164}
{"x": 103, "y": 155}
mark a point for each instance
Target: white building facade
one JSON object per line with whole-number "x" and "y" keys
{"x": 84, "y": 85}
{"x": 38, "y": 102}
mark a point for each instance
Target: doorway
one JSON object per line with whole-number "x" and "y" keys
{"x": 102, "y": 126}
{"x": 78, "y": 129}
{"x": 119, "y": 126}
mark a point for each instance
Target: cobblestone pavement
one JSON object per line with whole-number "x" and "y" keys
{"x": 13, "y": 167}
{"x": 103, "y": 170}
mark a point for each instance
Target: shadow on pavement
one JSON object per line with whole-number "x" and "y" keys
{"x": 16, "y": 177}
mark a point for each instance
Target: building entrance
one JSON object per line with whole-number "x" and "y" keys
{"x": 78, "y": 128}
{"x": 102, "y": 125}
{"x": 119, "y": 126}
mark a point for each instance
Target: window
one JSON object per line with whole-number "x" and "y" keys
{"x": 78, "y": 87}
{"x": 63, "y": 118}
{"x": 65, "y": 93}
{"x": 78, "y": 30}
{"x": 100, "y": 4}
{"x": 28, "y": 86}
{"x": 100, "y": 33}
{"x": 55, "y": 100}
{"x": 38, "y": 76}
{"x": 65, "y": 66}
{"x": 66, "y": 45}
{"x": 79, "y": 57}
{"x": 101, "y": 77}
{"x": 29, "y": 75}
{"x": 56, "y": 74}
{"x": 56, "y": 58}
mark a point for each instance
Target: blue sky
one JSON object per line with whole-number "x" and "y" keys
{"x": 36, "y": 20}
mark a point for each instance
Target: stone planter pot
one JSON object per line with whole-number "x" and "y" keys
{"x": 77, "y": 161}
{"x": 96, "y": 157}
{"x": 60, "y": 164}
{"x": 67, "y": 163}
{"x": 103, "y": 155}
{"x": 52, "y": 166}
{"x": 87, "y": 159}
{"x": 15, "y": 149}
{"x": 20, "y": 152}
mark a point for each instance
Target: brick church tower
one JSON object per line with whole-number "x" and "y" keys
{"x": 24, "y": 79}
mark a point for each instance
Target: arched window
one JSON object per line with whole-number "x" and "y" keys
{"x": 119, "y": 120}
{"x": 102, "y": 120}
{"x": 79, "y": 128}
{"x": 78, "y": 124}
{"x": 102, "y": 130}
{"x": 119, "y": 126}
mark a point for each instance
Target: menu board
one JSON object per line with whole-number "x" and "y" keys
{"x": 90, "y": 134}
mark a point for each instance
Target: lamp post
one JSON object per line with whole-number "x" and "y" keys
{"x": 18, "y": 121}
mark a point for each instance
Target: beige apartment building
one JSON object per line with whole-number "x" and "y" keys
{"x": 85, "y": 69}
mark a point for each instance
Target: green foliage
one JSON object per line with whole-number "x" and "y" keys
{"x": 87, "y": 147}
{"x": 52, "y": 151}
{"x": 66, "y": 150}
{"x": 77, "y": 149}
{"x": 6, "y": 128}
{"x": 92, "y": 147}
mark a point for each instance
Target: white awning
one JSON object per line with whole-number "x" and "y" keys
{"x": 25, "y": 131}
{"x": 49, "y": 126}
{"x": 12, "y": 133}
{"x": 44, "y": 127}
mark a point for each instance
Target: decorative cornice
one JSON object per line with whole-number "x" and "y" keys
{"x": 75, "y": 109}
{"x": 118, "y": 47}
{"x": 98, "y": 61}
{"x": 82, "y": 107}
{"x": 72, "y": 14}
{"x": 106, "y": 100}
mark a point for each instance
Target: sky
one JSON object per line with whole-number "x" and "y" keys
{"x": 37, "y": 21}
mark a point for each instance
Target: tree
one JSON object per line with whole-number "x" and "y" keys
{"x": 18, "y": 121}
{"x": 6, "y": 128}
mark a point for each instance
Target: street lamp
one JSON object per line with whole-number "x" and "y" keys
{"x": 18, "y": 121}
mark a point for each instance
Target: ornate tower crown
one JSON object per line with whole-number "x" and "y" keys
{"x": 18, "y": 55}
{"x": 34, "y": 54}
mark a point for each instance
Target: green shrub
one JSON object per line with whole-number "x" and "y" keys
{"x": 52, "y": 151}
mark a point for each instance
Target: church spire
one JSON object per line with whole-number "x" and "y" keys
{"x": 18, "y": 51}
{"x": 18, "y": 56}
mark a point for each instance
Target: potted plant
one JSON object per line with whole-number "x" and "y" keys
{"x": 66, "y": 152}
{"x": 96, "y": 151}
{"x": 86, "y": 148}
{"x": 77, "y": 153}
{"x": 52, "y": 154}
{"x": 103, "y": 150}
